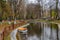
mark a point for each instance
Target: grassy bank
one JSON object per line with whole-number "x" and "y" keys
{"x": 49, "y": 21}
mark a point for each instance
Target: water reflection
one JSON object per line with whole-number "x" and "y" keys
{"x": 42, "y": 31}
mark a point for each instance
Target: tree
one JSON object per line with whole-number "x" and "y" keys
{"x": 56, "y": 8}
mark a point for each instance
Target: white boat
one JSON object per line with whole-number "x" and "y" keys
{"x": 23, "y": 30}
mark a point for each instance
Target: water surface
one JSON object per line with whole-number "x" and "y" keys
{"x": 42, "y": 31}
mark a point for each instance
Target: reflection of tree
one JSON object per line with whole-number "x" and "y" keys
{"x": 54, "y": 26}
{"x": 34, "y": 29}
{"x": 57, "y": 33}
{"x": 30, "y": 30}
{"x": 51, "y": 32}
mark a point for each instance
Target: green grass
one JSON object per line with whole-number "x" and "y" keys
{"x": 49, "y": 21}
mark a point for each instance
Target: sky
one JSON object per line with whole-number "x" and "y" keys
{"x": 46, "y": 3}
{"x": 32, "y": 1}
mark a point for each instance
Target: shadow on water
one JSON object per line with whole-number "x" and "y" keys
{"x": 42, "y": 31}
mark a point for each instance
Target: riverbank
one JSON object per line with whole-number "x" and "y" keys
{"x": 7, "y": 23}
{"x": 41, "y": 20}
{"x": 7, "y": 29}
{"x": 50, "y": 21}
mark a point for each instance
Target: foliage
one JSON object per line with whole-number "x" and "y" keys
{"x": 17, "y": 9}
{"x": 54, "y": 14}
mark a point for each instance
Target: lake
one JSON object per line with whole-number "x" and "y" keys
{"x": 41, "y": 31}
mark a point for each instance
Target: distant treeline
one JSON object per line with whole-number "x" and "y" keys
{"x": 10, "y": 10}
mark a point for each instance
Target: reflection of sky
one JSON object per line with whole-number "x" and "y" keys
{"x": 34, "y": 37}
{"x": 46, "y": 3}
